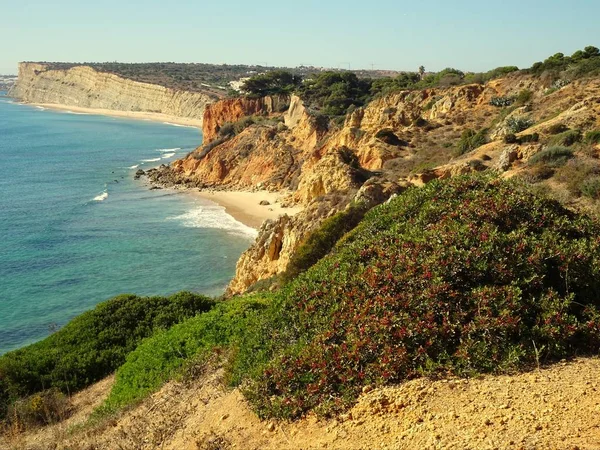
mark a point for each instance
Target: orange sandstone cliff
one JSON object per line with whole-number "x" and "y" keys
{"x": 404, "y": 138}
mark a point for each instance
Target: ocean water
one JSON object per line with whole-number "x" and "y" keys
{"x": 77, "y": 229}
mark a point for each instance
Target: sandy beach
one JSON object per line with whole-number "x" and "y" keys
{"x": 139, "y": 115}
{"x": 245, "y": 206}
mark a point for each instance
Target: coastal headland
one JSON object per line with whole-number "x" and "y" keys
{"x": 427, "y": 278}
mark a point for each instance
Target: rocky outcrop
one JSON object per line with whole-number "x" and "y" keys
{"x": 378, "y": 146}
{"x": 278, "y": 240}
{"x": 85, "y": 87}
{"x": 232, "y": 110}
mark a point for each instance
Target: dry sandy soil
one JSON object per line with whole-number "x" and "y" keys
{"x": 553, "y": 408}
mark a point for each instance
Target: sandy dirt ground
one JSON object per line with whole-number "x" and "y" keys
{"x": 553, "y": 408}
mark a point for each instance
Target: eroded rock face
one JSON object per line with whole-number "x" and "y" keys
{"x": 232, "y": 110}
{"x": 317, "y": 164}
{"x": 85, "y": 87}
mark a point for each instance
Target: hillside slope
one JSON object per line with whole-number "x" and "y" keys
{"x": 404, "y": 138}
{"x": 555, "y": 407}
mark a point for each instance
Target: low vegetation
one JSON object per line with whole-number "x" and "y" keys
{"x": 92, "y": 345}
{"x": 552, "y": 157}
{"x": 462, "y": 276}
{"x": 319, "y": 243}
{"x": 229, "y": 325}
{"x": 582, "y": 63}
{"x": 275, "y": 82}
{"x": 592, "y": 137}
{"x": 566, "y": 138}
{"x": 518, "y": 124}
{"x": 470, "y": 140}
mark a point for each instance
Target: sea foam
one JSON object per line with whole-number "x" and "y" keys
{"x": 168, "y": 150}
{"x": 178, "y": 125}
{"x": 151, "y": 160}
{"x": 168, "y": 155}
{"x": 214, "y": 217}
{"x": 101, "y": 197}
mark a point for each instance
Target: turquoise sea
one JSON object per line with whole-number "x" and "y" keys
{"x": 77, "y": 229}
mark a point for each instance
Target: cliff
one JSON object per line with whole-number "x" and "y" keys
{"x": 85, "y": 87}
{"x": 404, "y": 138}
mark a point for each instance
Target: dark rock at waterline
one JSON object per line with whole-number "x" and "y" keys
{"x": 155, "y": 188}
{"x": 264, "y": 202}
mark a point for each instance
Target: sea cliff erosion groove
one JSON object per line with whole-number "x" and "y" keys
{"x": 84, "y": 87}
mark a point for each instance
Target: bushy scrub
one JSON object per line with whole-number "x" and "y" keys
{"x": 92, "y": 345}
{"x": 322, "y": 240}
{"x": 518, "y": 124}
{"x": 502, "y": 102}
{"x": 230, "y": 324}
{"x": 332, "y": 93}
{"x": 460, "y": 276}
{"x": 575, "y": 173}
{"x": 554, "y": 156}
{"x": 592, "y": 137}
{"x": 566, "y": 138}
{"x": 591, "y": 187}
{"x": 470, "y": 140}
{"x": 43, "y": 408}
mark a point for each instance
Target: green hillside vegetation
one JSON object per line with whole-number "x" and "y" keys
{"x": 462, "y": 276}
{"x": 93, "y": 345}
{"x": 335, "y": 93}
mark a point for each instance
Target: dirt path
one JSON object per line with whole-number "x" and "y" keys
{"x": 554, "y": 408}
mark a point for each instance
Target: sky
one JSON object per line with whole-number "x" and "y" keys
{"x": 383, "y": 34}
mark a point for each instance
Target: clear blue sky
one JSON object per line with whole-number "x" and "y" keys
{"x": 391, "y": 34}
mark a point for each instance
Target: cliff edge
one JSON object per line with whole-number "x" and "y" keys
{"x": 84, "y": 87}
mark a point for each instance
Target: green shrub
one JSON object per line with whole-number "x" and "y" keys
{"x": 275, "y": 82}
{"x": 553, "y": 156}
{"x": 160, "y": 357}
{"x": 526, "y": 138}
{"x": 332, "y": 93}
{"x": 591, "y": 187}
{"x": 470, "y": 140}
{"x": 575, "y": 173}
{"x": 518, "y": 124}
{"x": 321, "y": 241}
{"x": 93, "y": 344}
{"x": 582, "y": 63}
{"x": 226, "y": 130}
{"x": 524, "y": 97}
{"x": 566, "y": 138}
{"x": 502, "y": 102}
{"x": 537, "y": 173}
{"x": 471, "y": 274}
{"x": 592, "y": 137}
{"x": 557, "y": 128}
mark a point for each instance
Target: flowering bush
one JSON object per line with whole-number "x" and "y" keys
{"x": 467, "y": 275}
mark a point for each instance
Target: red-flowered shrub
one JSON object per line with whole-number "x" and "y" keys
{"x": 467, "y": 275}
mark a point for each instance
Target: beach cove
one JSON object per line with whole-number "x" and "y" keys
{"x": 77, "y": 229}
